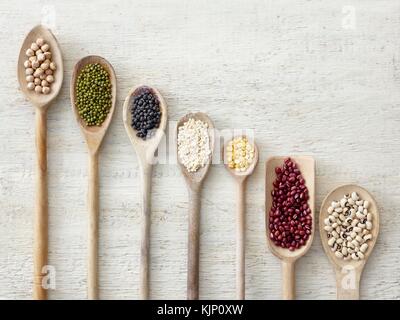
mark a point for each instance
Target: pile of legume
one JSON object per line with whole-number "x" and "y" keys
{"x": 239, "y": 154}
{"x": 290, "y": 220}
{"x": 93, "y": 94}
{"x": 193, "y": 144}
{"x": 146, "y": 113}
{"x": 348, "y": 227}
{"x": 39, "y": 67}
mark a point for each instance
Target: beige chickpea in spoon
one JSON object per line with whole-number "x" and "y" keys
{"x": 39, "y": 67}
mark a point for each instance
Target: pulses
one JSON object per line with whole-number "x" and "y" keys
{"x": 93, "y": 94}
{"x": 39, "y": 68}
{"x": 146, "y": 113}
{"x": 240, "y": 154}
{"x": 348, "y": 227}
{"x": 290, "y": 220}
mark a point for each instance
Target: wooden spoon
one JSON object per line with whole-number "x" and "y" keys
{"x": 306, "y": 164}
{"x": 41, "y": 103}
{"x": 194, "y": 181}
{"x": 240, "y": 178}
{"x": 348, "y": 273}
{"x": 145, "y": 150}
{"x": 94, "y": 136}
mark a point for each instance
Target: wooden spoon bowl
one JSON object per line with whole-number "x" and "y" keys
{"x": 41, "y": 100}
{"x": 196, "y": 178}
{"x": 306, "y": 165}
{"x": 348, "y": 273}
{"x": 145, "y": 150}
{"x": 93, "y": 134}
{"x": 240, "y": 175}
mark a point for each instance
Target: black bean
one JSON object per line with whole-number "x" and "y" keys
{"x": 146, "y": 113}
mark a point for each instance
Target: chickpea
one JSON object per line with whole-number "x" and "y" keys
{"x": 34, "y": 46}
{"x": 41, "y": 57}
{"x": 30, "y": 52}
{"x": 39, "y": 68}
{"x": 38, "y": 89}
{"x": 39, "y": 42}
{"x": 35, "y": 64}
{"x": 45, "y": 90}
{"x": 45, "y": 47}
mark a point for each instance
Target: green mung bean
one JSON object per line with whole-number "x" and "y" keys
{"x": 93, "y": 94}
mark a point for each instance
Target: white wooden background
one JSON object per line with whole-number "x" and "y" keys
{"x": 310, "y": 77}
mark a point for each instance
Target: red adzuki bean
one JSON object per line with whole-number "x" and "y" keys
{"x": 290, "y": 218}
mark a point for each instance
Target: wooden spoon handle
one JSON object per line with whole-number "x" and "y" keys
{"x": 347, "y": 283}
{"x": 93, "y": 226}
{"x": 193, "y": 244}
{"x": 288, "y": 280}
{"x": 240, "y": 241}
{"x": 145, "y": 241}
{"x": 41, "y": 215}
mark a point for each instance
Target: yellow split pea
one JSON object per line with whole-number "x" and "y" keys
{"x": 239, "y": 154}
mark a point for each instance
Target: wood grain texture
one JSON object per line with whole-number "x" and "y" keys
{"x": 288, "y": 280}
{"x": 241, "y": 240}
{"x": 146, "y": 177}
{"x": 193, "y": 255}
{"x": 343, "y": 293}
{"x": 41, "y": 215}
{"x": 93, "y": 227}
{"x": 288, "y": 69}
